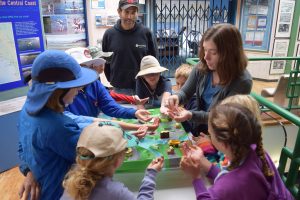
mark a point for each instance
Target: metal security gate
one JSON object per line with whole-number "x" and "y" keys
{"x": 179, "y": 25}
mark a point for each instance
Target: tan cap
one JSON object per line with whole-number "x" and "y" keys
{"x": 150, "y": 65}
{"x": 102, "y": 139}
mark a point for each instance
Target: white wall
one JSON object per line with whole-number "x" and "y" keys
{"x": 95, "y": 33}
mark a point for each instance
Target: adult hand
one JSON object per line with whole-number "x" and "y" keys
{"x": 139, "y": 101}
{"x": 143, "y": 115}
{"x": 164, "y": 110}
{"x": 156, "y": 164}
{"x": 141, "y": 132}
{"x": 30, "y": 187}
{"x": 172, "y": 103}
{"x": 154, "y": 126}
{"x": 181, "y": 115}
{"x": 202, "y": 138}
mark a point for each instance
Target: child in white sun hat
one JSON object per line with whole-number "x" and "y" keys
{"x": 150, "y": 83}
{"x": 100, "y": 151}
{"x": 94, "y": 98}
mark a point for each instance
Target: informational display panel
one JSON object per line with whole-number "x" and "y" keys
{"x": 64, "y": 23}
{"x": 21, "y": 40}
{"x": 280, "y": 50}
{"x": 285, "y": 18}
{"x": 256, "y": 18}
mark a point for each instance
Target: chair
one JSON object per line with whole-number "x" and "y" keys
{"x": 279, "y": 93}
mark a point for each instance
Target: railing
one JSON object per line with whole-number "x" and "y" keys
{"x": 289, "y": 178}
{"x": 288, "y": 173}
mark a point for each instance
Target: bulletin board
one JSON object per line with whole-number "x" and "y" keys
{"x": 256, "y": 24}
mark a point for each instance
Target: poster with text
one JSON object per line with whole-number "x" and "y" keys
{"x": 285, "y": 18}
{"x": 21, "y": 40}
{"x": 280, "y": 50}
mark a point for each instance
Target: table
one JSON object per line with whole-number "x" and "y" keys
{"x": 153, "y": 146}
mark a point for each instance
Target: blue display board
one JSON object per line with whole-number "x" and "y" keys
{"x": 256, "y": 24}
{"x": 21, "y": 40}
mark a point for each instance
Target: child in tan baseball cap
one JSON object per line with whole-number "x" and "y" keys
{"x": 100, "y": 151}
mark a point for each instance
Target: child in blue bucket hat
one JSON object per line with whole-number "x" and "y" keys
{"x": 48, "y": 138}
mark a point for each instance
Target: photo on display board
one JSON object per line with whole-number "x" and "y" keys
{"x": 76, "y": 24}
{"x": 48, "y": 7}
{"x": 63, "y": 7}
{"x": 28, "y": 58}
{"x": 99, "y": 20}
{"x": 283, "y": 28}
{"x": 52, "y": 7}
{"x": 252, "y": 22}
{"x": 29, "y": 44}
{"x": 261, "y": 22}
{"x": 58, "y": 24}
{"x": 112, "y": 20}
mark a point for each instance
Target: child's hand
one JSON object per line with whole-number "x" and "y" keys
{"x": 156, "y": 164}
{"x": 190, "y": 167}
{"x": 139, "y": 101}
{"x": 193, "y": 162}
{"x": 143, "y": 115}
{"x": 196, "y": 153}
{"x": 141, "y": 132}
{"x": 154, "y": 126}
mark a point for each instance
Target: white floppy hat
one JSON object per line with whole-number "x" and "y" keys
{"x": 82, "y": 56}
{"x": 150, "y": 65}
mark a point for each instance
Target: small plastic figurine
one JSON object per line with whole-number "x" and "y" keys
{"x": 164, "y": 134}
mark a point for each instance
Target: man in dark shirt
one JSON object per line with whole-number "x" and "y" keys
{"x": 130, "y": 41}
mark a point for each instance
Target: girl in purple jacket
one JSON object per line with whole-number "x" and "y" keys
{"x": 250, "y": 173}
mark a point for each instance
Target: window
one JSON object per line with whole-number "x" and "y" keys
{"x": 256, "y": 23}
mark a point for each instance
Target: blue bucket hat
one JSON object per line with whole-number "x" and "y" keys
{"x": 52, "y": 70}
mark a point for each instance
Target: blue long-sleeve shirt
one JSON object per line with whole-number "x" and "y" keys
{"x": 88, "y": 104}
{"x": 47, "y": 144}
{"x": 93, "y": 99}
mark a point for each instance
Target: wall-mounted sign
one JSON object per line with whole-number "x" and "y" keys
{"x": 21, "y": 40}
{"x": 280, "y": 50}
{"x": 285, "y": 18}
